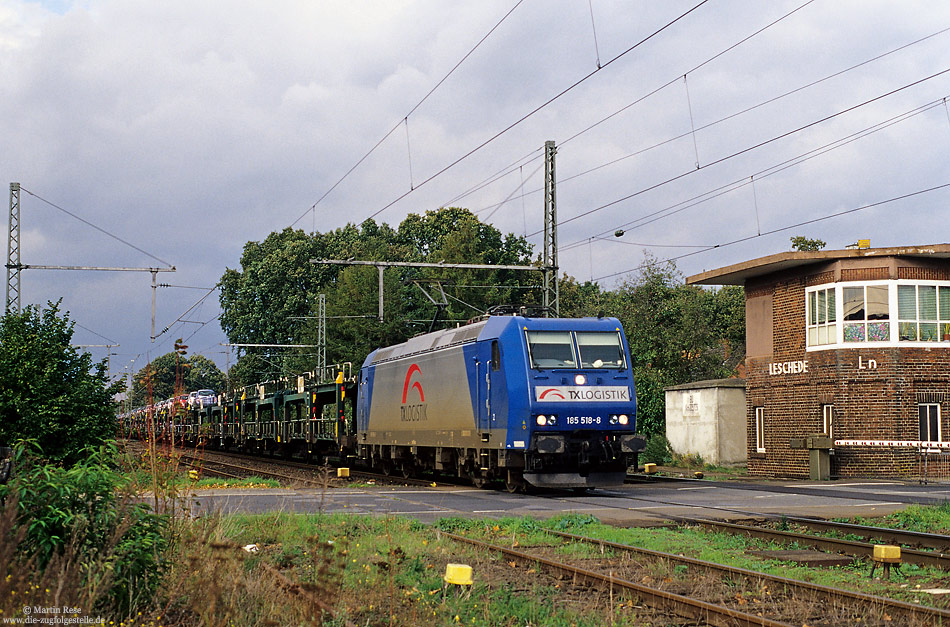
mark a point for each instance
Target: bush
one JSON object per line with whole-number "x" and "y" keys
{"x": 75, "y": 527}
{"x": 50, "y": 392}
{"x": 658, "y": 451}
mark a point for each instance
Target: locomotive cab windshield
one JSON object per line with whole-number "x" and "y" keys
{"x": 556, "y": 349}
{"x": 600, "y": 350}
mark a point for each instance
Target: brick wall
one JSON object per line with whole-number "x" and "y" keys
{"x": 874, "y": 393}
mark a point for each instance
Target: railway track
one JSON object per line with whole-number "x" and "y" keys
{"x": 703, "y": 612}
{"x": 214, "y": 459}
{"x": 899, "y": 611}
{"x": 912, "y": 539}
{"x": 906, "y": 539}
{"x": 227, "y": 469}
{"x": 837, "y": 545}
{"x": 714, "y": 594}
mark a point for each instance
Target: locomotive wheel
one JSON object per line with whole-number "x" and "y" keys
{"x": 514, "y": 482}
{"x": 386, "y": 467}
{"x": 406, "y": 470}
{"x": 479, "y": 482}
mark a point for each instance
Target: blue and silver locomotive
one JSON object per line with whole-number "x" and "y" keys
{"x": 548, "y": 402}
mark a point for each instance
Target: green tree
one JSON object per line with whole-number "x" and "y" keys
{"x": 172, "y": 374}
{"x": 50, "y": 392}
{"x": 802, "y": 243}
{"x": 677, "y": 334}
{"x": 273, "y": 298}
{"x": 585, "y": 299}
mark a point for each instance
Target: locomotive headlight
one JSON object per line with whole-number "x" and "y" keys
{"x": 613, "y": 419}
{"x": 622, "y": 419}
{"x": 580, "y": 379}
{"x": 542, "y": 420}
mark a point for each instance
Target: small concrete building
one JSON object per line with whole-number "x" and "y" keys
{"x": 851, "y": 343}
{"x": 707, "y": 418}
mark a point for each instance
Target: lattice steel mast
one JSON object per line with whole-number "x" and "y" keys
{"x": 551, "y": 296}
{"x": 13, "y": 251}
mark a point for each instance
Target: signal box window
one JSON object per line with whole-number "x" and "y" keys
{"x": 600, "y": 350}
{"x": 929, "y": 417}
{"x": 923, "y": 313}
{"x": 866, "y": 314}
{"x": 822, "y": 317}
{"x": 760, "y": 429}
{"x": 551, "y": 349}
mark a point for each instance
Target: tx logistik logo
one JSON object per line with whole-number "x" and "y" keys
{"x": 412, "y": 412}
{"x": 577, "y": 393}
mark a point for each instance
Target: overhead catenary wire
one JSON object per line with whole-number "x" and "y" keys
{"x": 787, "y": 228}
{"x": 689, "y": 71}
{"x": 96, "y": 227}
{"x": 721, "y": 190}
{"x": 108, "y": 339}
{"x": 187, "y": 311}
{"x": 565, "y": 179}
{"x": 513, "y": 192}
{"x": 748, "y": 149}
{"x": 539, "y": 153}
{"x": 536, "y": 155}
{"x": 537, "y": 109}
{"x": 503, "y": 172}
{"x": 661, "y": 88}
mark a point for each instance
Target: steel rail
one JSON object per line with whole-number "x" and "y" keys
{"x": 849, "y": 547}
{"x": 891, "y": 605}
{"x": 693, "y": 609}
{"x": 935, "y": 541}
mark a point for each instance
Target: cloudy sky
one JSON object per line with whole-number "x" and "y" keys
{"x": 182, "y": 130}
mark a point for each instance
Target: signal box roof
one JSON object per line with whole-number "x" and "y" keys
{"x": 741, "y": 273}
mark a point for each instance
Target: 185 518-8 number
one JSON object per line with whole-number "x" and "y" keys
{"x": 583, "y": 420}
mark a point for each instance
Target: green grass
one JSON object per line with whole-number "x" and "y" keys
{"x": 389, "y": 570}
{"x": 247, "y": 482}
{"x": 179, "y": 481}
{"x": 935, "y": 519}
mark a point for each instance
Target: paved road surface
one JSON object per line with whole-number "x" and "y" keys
{"x": 640, "y": 503}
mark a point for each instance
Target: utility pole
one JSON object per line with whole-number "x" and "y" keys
{"x": 109, "y": 353}
{"x": 322, "y": 335}
{"x": 551, "y": 297}
{"x": 13, "y": 251}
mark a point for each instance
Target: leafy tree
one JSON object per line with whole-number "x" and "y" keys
{"x": 50, "y": 392}
{"x": 802, "y": 243}
{"x": 173, "y": 374}
{"x": 677, "y": 333}
{"x": 579, "y": 300}
{"x": 272, "y": 299}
